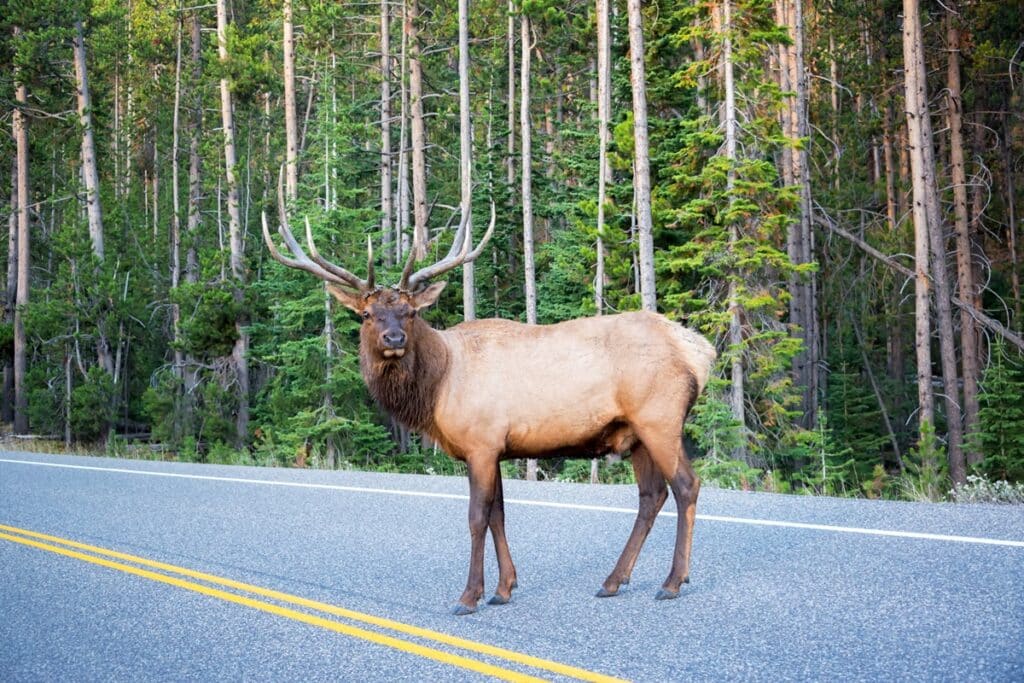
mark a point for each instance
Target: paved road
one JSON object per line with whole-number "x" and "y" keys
{"x": 784, "y": 587}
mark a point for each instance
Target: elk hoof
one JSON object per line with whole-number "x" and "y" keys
{"x": 605, "y": 593}
{"x": 461, "y": 610}
{"x": 499, "y": 600}
{"x": 666, "y": 594}
{"x": 686, "y": 580}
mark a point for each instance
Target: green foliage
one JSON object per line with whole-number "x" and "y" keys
{"x": 1000, "y": 434}
{"x": 615, "y": 472}
{"x": 92, "y": 404}
{"x": 719, "y": 225}
{"x": 712, "y": 426}
{"x": 208, "y": 322}
{"x": 926, "y": 476}
{"x": 728, "y": 473}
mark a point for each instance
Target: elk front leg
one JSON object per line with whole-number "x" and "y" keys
{"x": 653, "y": 493}
{"x": 506, "y": 570}
{"x": 482, "y": 477}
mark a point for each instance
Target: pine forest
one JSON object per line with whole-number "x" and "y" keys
{"x": 831, "y": 192}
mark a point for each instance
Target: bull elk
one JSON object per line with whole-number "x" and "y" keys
{"x": 490, "y": 390}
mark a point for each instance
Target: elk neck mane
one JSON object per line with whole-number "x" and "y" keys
{"x": 407, "y": 388}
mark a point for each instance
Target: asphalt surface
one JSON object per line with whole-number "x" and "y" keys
{"x": 836, "y": 600}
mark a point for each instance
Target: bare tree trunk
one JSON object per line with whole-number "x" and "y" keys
{"x": 385, "y": 130}
{"x": 240, "y": 351}
{"x": 10, "y": 294}
{"x": 466, "y": 159}
{"x": 401, "y": 234}
{"x": 291, "y": 125}
{"x": 20, "y": 126}
{"x": 922, "y": 283}
{"x": 419, "y": 141}
{"x": 179, "y": 354}
{"x": 511, "y": 40}
{"x": 91, "y": 176}
{"x": 190, "y": 372}
{"x": 641, "y": 158}
{"x": 965, "y": 270}
{"x": 927, "y": 216}
{"x": 526, "y": 141}
{"x": 67, "y": 396}
{"x": 526, "y": 137}
{"x": 803, "y": 305}
{"x": 330, "y": 445}
{"x": 195, "y": 187}
{"x": 92, "y": 183}
{"x": 604, "y": 106}
{"x": 736, "y": 398}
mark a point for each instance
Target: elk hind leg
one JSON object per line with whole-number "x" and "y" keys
{"x": 685, "y": 485}
{"x": 506, "y": 570}
{"x": 653, "y": 493}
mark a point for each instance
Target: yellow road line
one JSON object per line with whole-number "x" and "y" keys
{"x": 436, "y": 636}
{"x": 380, "y": 639}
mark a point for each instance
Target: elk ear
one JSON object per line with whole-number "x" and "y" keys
{"x": 428, "y": 296}
{"x": 349, "y": 300}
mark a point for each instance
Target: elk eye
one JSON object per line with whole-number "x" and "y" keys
{"x": 366, "y": 315}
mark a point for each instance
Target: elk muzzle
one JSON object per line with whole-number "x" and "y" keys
{"x": 393, "y": 343}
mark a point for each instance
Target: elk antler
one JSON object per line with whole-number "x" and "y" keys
{"x": 314, "y": 263}
{"x": 458, "y": 254}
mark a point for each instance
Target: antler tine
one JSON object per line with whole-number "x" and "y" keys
{"x": 486, "y": 238}
{"x": 301, "y": 262}
{"x": 369, "y": 263}
{"x": 349, "y": 278}
{"x": 410, "y": 261}
{"x": 316, "y": 266}
{"x": 456, "y": 255}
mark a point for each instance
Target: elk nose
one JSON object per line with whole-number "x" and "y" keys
{"x": 394, "y": 340}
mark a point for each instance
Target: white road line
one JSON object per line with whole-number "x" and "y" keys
{"x": 540, "y": 503}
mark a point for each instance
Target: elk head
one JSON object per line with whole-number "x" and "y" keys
{"x": 387, "y": 312}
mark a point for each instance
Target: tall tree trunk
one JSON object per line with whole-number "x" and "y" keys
{"x": 385, "y": 130}
{"x": 20, "y": 125}
{"x": 526, "y": 189}
{"x": 641, "y": 158}
{"x": 466, "y": 159}
{"x": 604, "y": 106}
{"x": 803, "y": 305}
{"x": 291, "y": 125}
{"x": 179, "y": 354}
{"x": 736, "y": 396}
{"x": 511, "y": 98}
{"x": 10, "y": 295}
{"x": 965, "y": 270}
{"x": 526, "y": 141}
{"x": 190, "y": 370}
{"x": 927, "y": 216}
{"x": 419, "y": 138}
{"x": 401, "y": 233}
{"x": 92, "y": 183}
{"x": 240, "y": 351}
{"x": 922, "y": 283}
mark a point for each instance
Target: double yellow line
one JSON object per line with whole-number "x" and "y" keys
{"x": 100, "y": 556}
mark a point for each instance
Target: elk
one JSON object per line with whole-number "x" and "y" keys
{"x": 490, "y": 390}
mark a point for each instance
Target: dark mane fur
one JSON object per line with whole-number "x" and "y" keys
{"x": 407, "y": 388}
